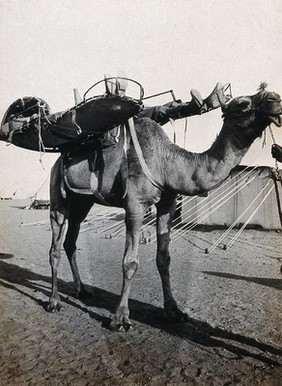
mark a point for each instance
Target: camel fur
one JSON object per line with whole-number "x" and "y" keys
{"x": 77, "y": 183}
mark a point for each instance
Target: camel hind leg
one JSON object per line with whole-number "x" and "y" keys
{"x": 74, "y": 210}
{"x": 79, "y": 208}
{"x": 58, "y": 224}
{"x": 59, "y": 211}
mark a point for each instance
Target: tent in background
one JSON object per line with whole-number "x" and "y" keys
{"x": 41, "y": 198}
{"x": 249, "y": 195}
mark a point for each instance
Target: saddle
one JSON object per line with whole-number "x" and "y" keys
{"x": 28, "y": 122}
{"x": 98, "y": 157}
{"x": 100, "y": 113}
{"x": 219, "y": 96}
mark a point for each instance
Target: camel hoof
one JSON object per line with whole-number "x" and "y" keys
{"x": 124, "y": 326}
{"x": 53, "y": 306}
{"x": 129, "y": 327}
{"x": 121, "y": 321}
{"x": 121, "y": 329}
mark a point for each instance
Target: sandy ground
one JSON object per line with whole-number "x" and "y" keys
{"x": 233, "y": 299}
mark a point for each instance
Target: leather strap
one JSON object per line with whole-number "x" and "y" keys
{"x": 137, "y": 147}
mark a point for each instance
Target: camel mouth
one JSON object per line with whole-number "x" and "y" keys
{"x": 276, "y": 119}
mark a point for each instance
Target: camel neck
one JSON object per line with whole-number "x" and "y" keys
{"x": 194, "y": 173}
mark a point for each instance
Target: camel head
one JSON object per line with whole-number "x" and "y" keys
{"x": 249, "y": 116}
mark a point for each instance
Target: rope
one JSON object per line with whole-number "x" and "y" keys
{"x": 125, "y": 149}
{"x": 116, "y": 232}
{"x": 236, "y": 221}
{"x": 107, "y": 216}
{"x": 120, "y": 226}
{"x": 272, "y": 135}
{"x": 38, "y": 190}
{"x": 189, "y": 199}
{"x": 153, "y": 221}
{"x": 231, "y": 242}
{"x": 41, "y": 146}
{"x": 230, "y": 181}
{"x": 275, "y": 162}
{"x": 172, "y": 122}
{"x": 226, "y": 195}
{"x": 46, "y": 117}
{"x": 112, "y": 226}
{"x": 264, "y": 139}
{"x": 185, "y": 132}
{"x": 208, "y": 212}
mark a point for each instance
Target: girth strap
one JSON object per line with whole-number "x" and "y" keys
{"x": 136, "y": 144}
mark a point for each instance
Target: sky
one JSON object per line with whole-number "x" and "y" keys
{"x": 50, "y": 47}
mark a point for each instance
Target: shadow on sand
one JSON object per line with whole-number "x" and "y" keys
{"x": 5, "y": 256}
{"x": 194, "y": 331}
{"x": 274, "y": 283}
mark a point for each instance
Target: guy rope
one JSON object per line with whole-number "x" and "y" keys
{"x": 222, "y": 237}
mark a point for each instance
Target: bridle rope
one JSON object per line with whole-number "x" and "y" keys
{"x": 276, "y": 171}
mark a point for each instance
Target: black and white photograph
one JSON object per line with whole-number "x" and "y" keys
{"x": 140, "y": 193}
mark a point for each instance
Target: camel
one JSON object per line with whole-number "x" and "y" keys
{"x": 78, "y": 181}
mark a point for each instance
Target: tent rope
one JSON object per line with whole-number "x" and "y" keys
{"x": 208, "y": 250}
{"x": 188, "y": 199}
{"x": 105, "y": 217}
{"x": 153, "y": 221}
{"x": 227, "y": 193}
{"x": 232, "y": 241}
{"x": 211, "y": 209}
{"x": 33, "y": 197}
{"x": 216, "y": 199}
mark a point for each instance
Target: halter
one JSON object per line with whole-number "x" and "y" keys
{"x": 243, "y": 114}
{"x": 249, "y": 110}
{"x": 276, "y": 166}
{"x": 258, "y": 100}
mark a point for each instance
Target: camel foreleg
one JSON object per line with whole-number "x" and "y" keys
{"x": 165, "y": 214}
{"x": 121, "y": 321}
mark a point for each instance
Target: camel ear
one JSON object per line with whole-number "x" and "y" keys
{"x": 237, "y": 106}
{"x": 224, "y": 107}
{"x": 244, "y": 104}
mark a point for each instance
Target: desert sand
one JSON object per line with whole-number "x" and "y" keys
{"x": 233, "y": 299}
